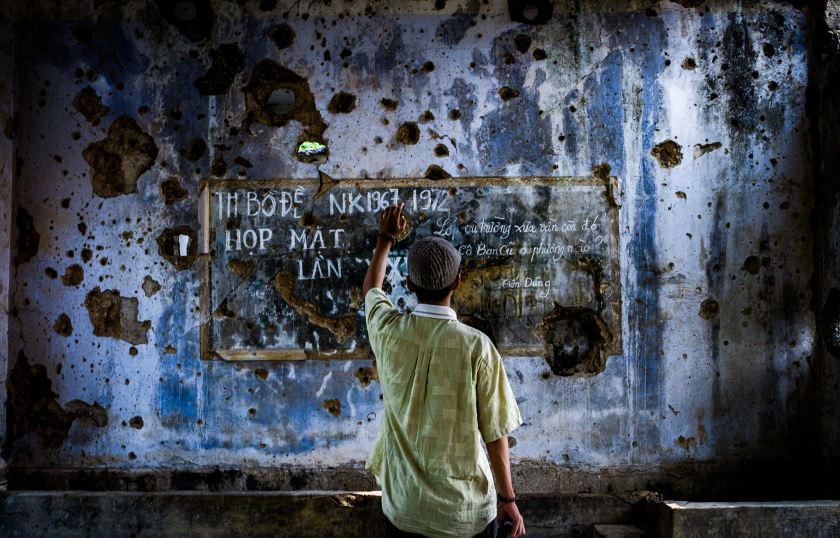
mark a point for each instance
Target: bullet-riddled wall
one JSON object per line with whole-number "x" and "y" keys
{"x": 123, "y": 111}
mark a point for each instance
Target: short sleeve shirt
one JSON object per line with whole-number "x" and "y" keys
{"x": 445, "y": 389}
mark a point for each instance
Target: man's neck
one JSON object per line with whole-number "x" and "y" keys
{"x": 444, "y": 302}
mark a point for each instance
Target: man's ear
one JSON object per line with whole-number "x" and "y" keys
{"x": 456, "y": 283}
{"x": 409, "y": 285}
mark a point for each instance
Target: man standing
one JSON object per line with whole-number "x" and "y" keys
{"x": 443, "y": 384}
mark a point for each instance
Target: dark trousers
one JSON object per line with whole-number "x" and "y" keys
{"x": 393, "y": 532}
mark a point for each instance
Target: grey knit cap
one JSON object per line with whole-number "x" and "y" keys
{"x": 433, "y": 263}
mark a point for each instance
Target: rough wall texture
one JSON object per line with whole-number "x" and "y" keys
{"x": 6, "y": 185}
{"x": 699, "y": 112}
{"x": 826, "y": 300}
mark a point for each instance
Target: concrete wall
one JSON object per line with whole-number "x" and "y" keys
{"x": 826, "y": 300}
{"x": 702, "y": 397}
{"x": 7, "y": 112}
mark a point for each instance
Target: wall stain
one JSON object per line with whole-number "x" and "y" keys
{"x": 28, "y": 238}
{"x": 33, "y": 407}
{"x": 73, "y": 275}
{"x": 333, "y": 406}
{"x": 172, "y": 192}
{"x": 89, "y": 104}
{"x": 575, "y": 339}
{"x": 342, "y": 327}
{"x": 241, "y": 268}
{"x": 150, "y": 286}
{"x": 115, "y": 316}
{"x": 63, "y": 326}
{"x": 282, "y": 35}
{"x": 118, "y": 161}
{"x": 169, "y": 247}
{"x": 228, "y": 61}
{"x": 195, "y": 150}
{"x": 668, "y": 154}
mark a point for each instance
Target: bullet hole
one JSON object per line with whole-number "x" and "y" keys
{"x": 702, "y": 149}
{"x": 259, "y": 373}
{"x": 713, "y": 96}
{"x": 170, "y": 247}
{"x": 561, "y": 138}
{"x": 784, "y": 205}
{"x": 28, "y": 239}
{"x": 136, "y": 422}
{"x": 772, "y": 86}
{"x": 171, "y": 191}
{"x": 774, "y": 162}
{"x": 454, "y": 114}
{"x": 228, "y": 61}
{"x": 63, "y": 326}
{"x": 89, "y": 104}
{"x": 219, "y": 167}
{"x": 752, "y": 265}
{"x": 440, "y": 4}
{"x": 366, "y": 375}
{"x": 32, "y": 407}
{"x": 689, "y": 64}
{"x": 346, "y": 53}
{"x": 175, "y": 114}
{"x": 267, "y": 77}
{"x": 428, "y": 67}
{"x": 768, "y": 49}
{"x": 831, "y": 322}
{"x": 754, "y": 74}
{"x": 240, "y": 267}
{"x": 436, "y": 173}
{"x": 539, "y": 55}
{"x": 575, "y": 340}
{"x": 65, "y": 203}
{"x": 76, "y": 135}
{"x": 143, "y": 110}
{"x": 506, "y": 94}
{"x": 532, "y": 12}
{"x": 389, "y": 104}
{"x": 150, "y": 286}
{"x": 508, "y": 59}
{"x": 118, "y": 161}
{"x": 709, "y": 309}
{"x": 441, "y": 151}
{"x": 91, "y": 74}
{"x": 342, "y": 103}
{"x": 668, "y": 154}
{"x": 309, "y": 221}
{"x": 51, "y": 273}
{"x": 195, "y": 150}
{"x": 73, "y": 275}
{"x": 282, "y": 35}
{"x": 224, "y": 312}
{"x": 267, "y": 5}
{"x": 82, "y": 34}
{"x": 427, "y": 116}
{"x": 193, "y": 18}
{"x": 243, "y": 162}
{"x": 511, "y": 441}
{"x": 472, "y": 65}
{"x": 327, "y": 56}
{"x": 522, "y": 43}
{"x": 765, "y": 205}
{"x": 667, "y": 63}
{"x": 116, "y": 317}
{"x": 408, "y": 133}
{"x": 333, "y": 406}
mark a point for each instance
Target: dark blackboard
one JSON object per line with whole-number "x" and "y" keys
{"x": 285, "y": 260}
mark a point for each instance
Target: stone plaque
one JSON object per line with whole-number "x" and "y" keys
{"x": 286, "y": 260}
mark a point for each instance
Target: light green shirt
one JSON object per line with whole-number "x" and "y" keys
{"x": 443, "y": 384}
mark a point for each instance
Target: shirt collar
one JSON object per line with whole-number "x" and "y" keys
{"x": 435, "y": 312}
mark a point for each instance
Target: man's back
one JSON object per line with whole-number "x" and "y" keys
{"x": 442, "y": 383}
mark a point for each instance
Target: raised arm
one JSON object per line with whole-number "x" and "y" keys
{"x": 391, "y": 225}
{"x": 499, "y": 456}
